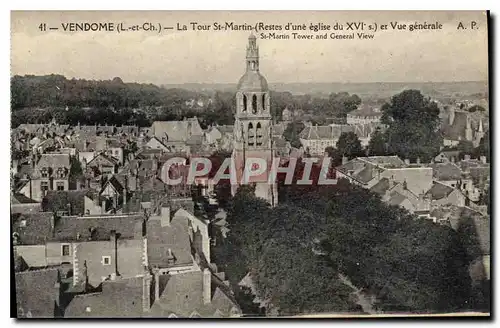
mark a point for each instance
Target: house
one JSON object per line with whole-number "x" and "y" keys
{"x": 38, "y": 294}
{"x": 463, "y": 126}
{"x": 98, "y": 247}
{"x": 53, "y": 172}
{"x": 175, "y": 134}
{"x": 368, "y": 171}
{"x": 317, "y": 138}
{"x": 452, "y": 175}
{"x": 442, "y": 194}
{"x": 365, "y": 114}
{"x": 48, "y": 172}
{"x": 398, "y": 182}
{"x": 286, "y": 115}
{"x": 213, "y": 135}
{"x": 398, "y": 194}
{"x": 102, "y": 165}
{"x": 447, "y": 156}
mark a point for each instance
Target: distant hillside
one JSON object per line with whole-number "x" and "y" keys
{"x": 363, "y": 90}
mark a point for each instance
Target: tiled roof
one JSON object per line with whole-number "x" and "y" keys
{"x": 174, "y": 236}
{"x": 439, "y": 191}
{"x": 176, "y": 130}
{"x": 99, "y": 227}
{"x": 183, "y": 297}
{"x": 119, "y": 298}
{"x": 117, "y": 182}
{"x": 100, "y": 159}
{"x": 36, "y": 293}
{"x": 381, "y": 187}
{"x": 54, "y": 160}
{"x": 385, "y": 161}
{"x": 396, "y": 198}
{"x": 446, "y": 171}
{"x": 22, "y": 199}
{"x": 33, "y": 228}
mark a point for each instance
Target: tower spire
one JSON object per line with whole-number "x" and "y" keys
{"x": 252, "y": 54}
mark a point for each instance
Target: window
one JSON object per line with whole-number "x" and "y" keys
{"x": 259, "y": 134}
{"x": 106, "y": 260}
{"x": 264, "y": 101}
{"x": 251, "y": 135}
{"x": 244, "y": 103}
{"x": 61, "y": 173}
{"x": 44, "y": 185}
{"x": 254, "y": 104}
{"x": 60, "y": 186}
{"x": 45, "y": 174}
{"x": 65, "y": 250}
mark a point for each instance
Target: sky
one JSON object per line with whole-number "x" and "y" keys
{"x": 176, "y": 57}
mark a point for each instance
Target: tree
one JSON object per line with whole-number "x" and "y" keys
{"x": 413, "y": 123}
{"x": 465, "y": 148}
{"x": 476, "y": 108}
{"x": 349, "y": 145}
{"x": 292, "y": 132}
{"x": 376, "y": 145}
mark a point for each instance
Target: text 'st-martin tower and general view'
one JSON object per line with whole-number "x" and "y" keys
{"x": 253, "y": 126}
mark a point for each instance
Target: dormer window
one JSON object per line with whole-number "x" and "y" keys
{"x": 45, "y": 173}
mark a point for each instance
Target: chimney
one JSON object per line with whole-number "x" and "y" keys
{"x": 125, "y": 191}
{"x": 103, "y": 206}
{"x": 157, "y": 284}
{"x": 53, "y": 223}
{"x": 165, "y": 216}
{"x": 483, "y": 159}
{"x": 114, "y": 245}
{"x": 146, "y": 292}
{"x": 451, "y": 115}
{"x": 57, "y": 293}
{"x": 68, "y": 206}
{"x": 207, "y": 286}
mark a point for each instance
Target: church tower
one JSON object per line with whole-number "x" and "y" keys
{"x": 253, "y": 123}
